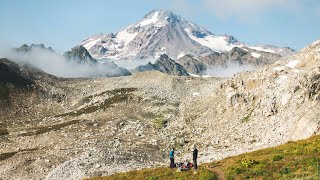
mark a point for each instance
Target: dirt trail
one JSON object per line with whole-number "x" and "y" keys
{"x": 217, "y": 170}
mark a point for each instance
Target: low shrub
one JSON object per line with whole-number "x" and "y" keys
{"x": 277, "y": 158}
{"x": 248, "y": 162}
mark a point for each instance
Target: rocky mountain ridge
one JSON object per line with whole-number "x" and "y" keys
{"x": 26, "y": 48}
{"x": 237, "y": 56}
{"x": 164, "y": 64}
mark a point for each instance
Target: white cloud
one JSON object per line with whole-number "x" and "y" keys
{"x": 250, "y": 9}
{"x": 56, "y": 64}
{"x": 228, "y": 70}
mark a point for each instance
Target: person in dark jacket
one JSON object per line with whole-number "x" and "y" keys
{"x": 171, "y": 156}
{"x": 195, "y": 156}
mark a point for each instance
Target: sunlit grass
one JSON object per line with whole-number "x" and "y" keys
{"x": 162, "y": 174}
{"x": 292, "y": 160}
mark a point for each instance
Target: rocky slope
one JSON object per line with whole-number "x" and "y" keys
{"x": 193, "y": 65}
{"x": 241, "y": 56}
{"x": 237, "y": 56}
{"x": 90, "y": 127}
{"x": 21, "y": 86}
{"x": 160, "y": 32}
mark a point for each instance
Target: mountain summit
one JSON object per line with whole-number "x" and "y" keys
{"x": 159, "y": 32}
{"x": 80, "y": 55}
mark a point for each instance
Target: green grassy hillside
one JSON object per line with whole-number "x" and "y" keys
{"x": 294, "y": 160}
{"x": 163, "y": 174}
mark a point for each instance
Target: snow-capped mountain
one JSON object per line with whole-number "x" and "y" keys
{"x": 159, "y": 32}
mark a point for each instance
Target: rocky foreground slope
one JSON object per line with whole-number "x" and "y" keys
{"x": 75, "y": 128}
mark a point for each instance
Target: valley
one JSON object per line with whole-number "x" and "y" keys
{"x": 79, "y": 128}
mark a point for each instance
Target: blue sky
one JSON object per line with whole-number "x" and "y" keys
{"x": 63, "y": 24}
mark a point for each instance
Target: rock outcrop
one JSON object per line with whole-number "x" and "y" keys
{"x": 193, "y": 65}
{"x": 25, "y": 48}
{"x": 164, "y": 64}
{"x": 80, "y": 55}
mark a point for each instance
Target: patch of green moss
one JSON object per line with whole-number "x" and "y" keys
{"x": 160, "y": 121}
{"x": 111, "y": 92}
{"x": 8, "y": 155}
{"x": 149, "y": 115}
{"x": 45, "y": 129}
{"x": 117, "y": 96}
{"x": 3, "y": 131}
{"x": 246, "y": 119}
{"x": 277, "y": 158}
{"x": 4, "y": 92}
{"x": 5, "y": 156}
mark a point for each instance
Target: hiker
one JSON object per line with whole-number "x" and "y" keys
{"x": 195, "y": 156}
{"x": 171, "y": 155}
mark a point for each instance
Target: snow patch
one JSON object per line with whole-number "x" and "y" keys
{"x": 181, "y": 55}
{"x": 245, "y": 49}
{"x": 193, "y": 75}
{"x": 262, "y": 49}
{"x": 91, "y": 43}
{"x": 158, "y": 54}
{"x": 256, "y": 55}
{"x": 191, "y": 24}
{"x": 297, "y": 71}
{"x": 125, "y": 36}
{"x": 216, "y": 43}
{"x": 292, "y": 64}
{"x": 195, "y": 94}
{"x": 285, "y": 99}
{"x": 281, "y": 79}
{"x": 207, "y": 76}
{"x": 279, "y": 68}
{"x": 152, "y": 20}
{"x": 315, "y": 43}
